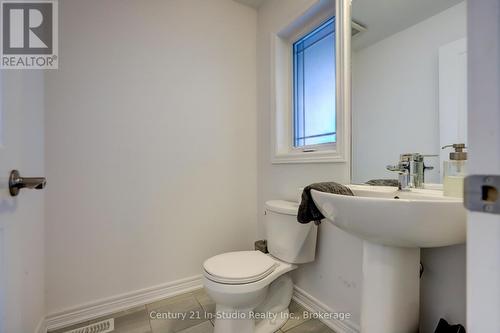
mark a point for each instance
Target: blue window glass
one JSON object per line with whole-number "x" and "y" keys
{"x": 314, "y": 87}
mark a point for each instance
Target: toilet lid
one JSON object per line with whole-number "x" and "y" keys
{"x": 239, "y": 267}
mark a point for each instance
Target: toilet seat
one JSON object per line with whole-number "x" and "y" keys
{"x": 240, "y": 267}
{"x": 240, "y": 282}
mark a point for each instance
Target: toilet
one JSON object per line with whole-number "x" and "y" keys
{"x": 252, "y": 290}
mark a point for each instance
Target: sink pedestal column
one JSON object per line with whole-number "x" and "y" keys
{"x": 391, "y": 289}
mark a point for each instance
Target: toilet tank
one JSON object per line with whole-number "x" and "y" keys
{"x": 287, "y": 239}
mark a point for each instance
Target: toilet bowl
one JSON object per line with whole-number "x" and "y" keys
{"x": 252, "y": 290}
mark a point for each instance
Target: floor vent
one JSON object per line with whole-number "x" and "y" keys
{"x": 104, "y": 326}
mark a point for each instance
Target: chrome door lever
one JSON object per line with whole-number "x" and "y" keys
{"x": 16, "y": 183}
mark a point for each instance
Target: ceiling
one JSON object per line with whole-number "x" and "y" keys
{"x": 252, "y": 3}
{"x": 383, "y": 18}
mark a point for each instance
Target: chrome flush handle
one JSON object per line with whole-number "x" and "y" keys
{"x": 16, "y": 183}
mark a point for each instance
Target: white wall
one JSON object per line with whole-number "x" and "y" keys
{"x": 396, "y": 95}
{"x": 151, "y": 144}
{"x": 334, "y": 278}
{"x": 22, "y": 230}
{"x": 395, "y": 110}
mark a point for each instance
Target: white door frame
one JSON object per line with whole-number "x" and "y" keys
{"x": 483, "y": 230}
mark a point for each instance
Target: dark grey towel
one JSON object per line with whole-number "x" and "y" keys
{"x": 307, "y": 210}
{"x": 383, "y": 182}
{"x": 444, "y": 327}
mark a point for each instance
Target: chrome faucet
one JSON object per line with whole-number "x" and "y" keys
{"x": 411, "y": 170}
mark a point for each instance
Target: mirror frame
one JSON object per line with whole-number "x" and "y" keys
{"x": 343, "y": 67}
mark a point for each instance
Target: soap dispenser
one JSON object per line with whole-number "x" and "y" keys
{"x": 454, "y": 171}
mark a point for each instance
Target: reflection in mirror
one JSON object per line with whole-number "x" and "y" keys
{"x": 408, "y": 84}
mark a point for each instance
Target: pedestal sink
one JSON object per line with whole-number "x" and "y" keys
{"x": 394, "y": 225}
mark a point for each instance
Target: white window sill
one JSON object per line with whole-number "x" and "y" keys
{"x": 324, "y": 156}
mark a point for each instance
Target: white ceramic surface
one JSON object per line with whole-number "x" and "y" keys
{"x": 394, "y": 226}
{"x": 241, "y": 282}
{"x": 384, "y": 215}
{"x": 287, "y": 239}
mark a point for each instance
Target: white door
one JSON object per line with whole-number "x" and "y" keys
{"x": 22, "y": 217}
{"x": 483, "y": 231}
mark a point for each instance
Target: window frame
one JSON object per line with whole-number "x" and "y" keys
{"x": 283, "y": 149}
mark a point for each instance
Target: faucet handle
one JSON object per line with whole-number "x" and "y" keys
{"x": 429, "y": 155}
{"x": 396, "y": 168}
{"x": 420, "y": 158}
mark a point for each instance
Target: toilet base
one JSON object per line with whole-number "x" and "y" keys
{"x": 272, "y": 325}
{"x": 267, "y": 317}
{"x": 249, "y": 325}
{"x": 233, "y": 320}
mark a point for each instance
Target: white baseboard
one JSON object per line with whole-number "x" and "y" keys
{"x": 314, "y": 305}
{"x": 42, "y": 326}
{"x": 129, "y": 300}
{"x": 121, "y": 302}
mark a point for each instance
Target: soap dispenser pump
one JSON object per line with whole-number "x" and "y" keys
{"x": 454, "y": 171}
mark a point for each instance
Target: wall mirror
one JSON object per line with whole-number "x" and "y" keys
{"x": 408, "y": 84}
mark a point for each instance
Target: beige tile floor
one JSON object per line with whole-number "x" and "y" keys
{"x": 195, "y": 304}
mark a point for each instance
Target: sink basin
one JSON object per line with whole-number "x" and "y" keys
{"x": 384, "y": 215}
{"x": 394, "y": 225}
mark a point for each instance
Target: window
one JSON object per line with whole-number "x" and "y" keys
{"x": 309, "y": 110}
{"x": 314, "y": 87}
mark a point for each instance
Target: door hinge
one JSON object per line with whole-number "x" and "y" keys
{"x": 481, "y": 193}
